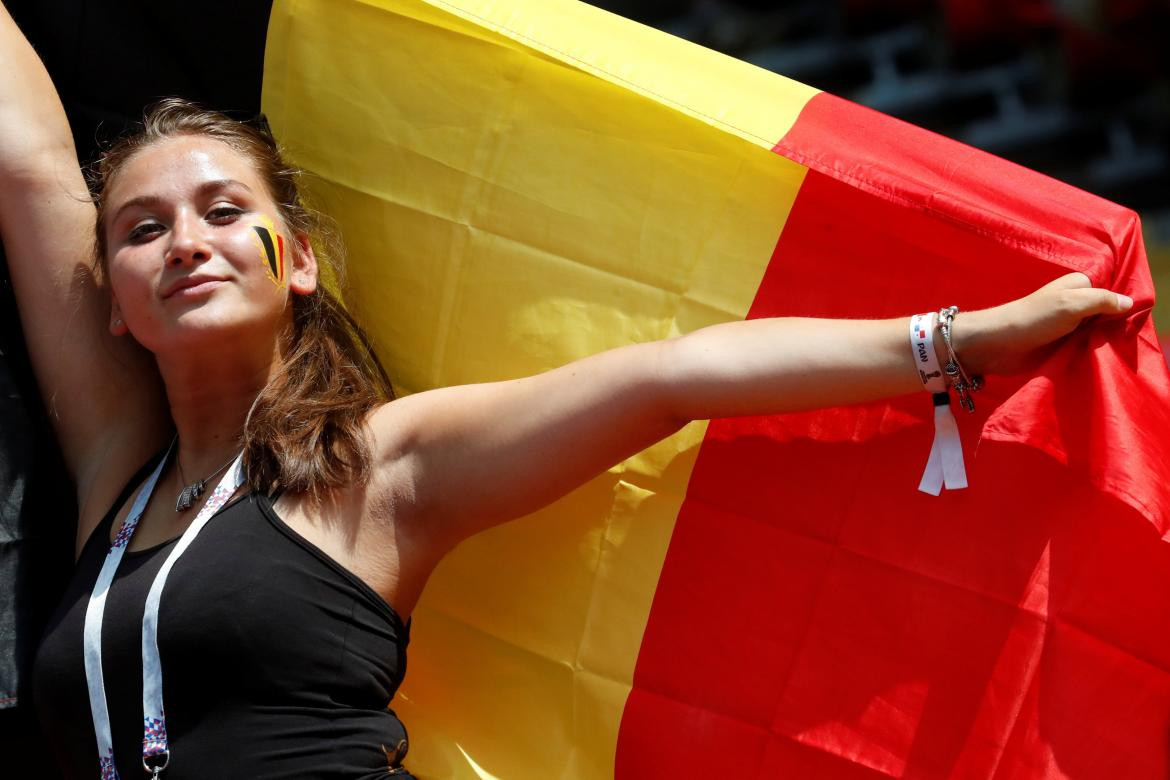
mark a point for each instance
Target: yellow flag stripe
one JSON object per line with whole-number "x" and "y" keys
{"x": 510, "y": 204}
{"x": 733, "y": 96}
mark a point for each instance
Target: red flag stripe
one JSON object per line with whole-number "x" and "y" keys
{"x": 816, "y": 616}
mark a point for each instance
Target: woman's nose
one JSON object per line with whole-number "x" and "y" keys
{"x": 188, "y": 245}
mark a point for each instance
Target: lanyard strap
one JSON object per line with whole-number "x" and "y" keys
{"x": 155, "y": 748}
{"x": 92, "y": 637}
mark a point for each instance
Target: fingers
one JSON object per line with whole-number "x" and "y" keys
{"x": 1069, "y": 281}
{"x": 1087, "y": 300}
{"x": 1091, "y": 300}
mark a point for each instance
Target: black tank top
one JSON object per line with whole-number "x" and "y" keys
{"x": 277, "y": 661}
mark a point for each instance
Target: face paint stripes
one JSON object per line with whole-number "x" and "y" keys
{"x": 271, "y": 246}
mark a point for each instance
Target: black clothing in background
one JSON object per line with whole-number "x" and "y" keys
{"x": 108, "y": 60}
{"x": 37, "y": 526}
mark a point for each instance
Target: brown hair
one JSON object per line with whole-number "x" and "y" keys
{"x": 306, "y": 431}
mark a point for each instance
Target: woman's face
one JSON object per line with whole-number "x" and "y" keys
{"x": 187, "y": 255}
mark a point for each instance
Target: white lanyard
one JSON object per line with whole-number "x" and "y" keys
{"x": 155, "y": 749}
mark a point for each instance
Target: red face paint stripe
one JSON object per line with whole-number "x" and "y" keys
{"x": 280, "y": 256}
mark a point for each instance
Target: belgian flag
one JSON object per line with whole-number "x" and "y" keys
{"x": 525, "y": 182}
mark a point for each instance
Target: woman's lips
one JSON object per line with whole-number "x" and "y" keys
{"x": 193, "y": 288}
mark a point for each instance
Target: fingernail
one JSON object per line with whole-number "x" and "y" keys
{"x": 1124, "y": 301}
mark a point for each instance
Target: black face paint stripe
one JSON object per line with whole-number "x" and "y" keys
{"x": 269, "y": 249}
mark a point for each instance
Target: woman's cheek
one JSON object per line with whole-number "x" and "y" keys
{"x": 131, "y": 287}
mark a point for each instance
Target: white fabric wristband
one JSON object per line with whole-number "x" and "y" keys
{"x": 925, "y": 358}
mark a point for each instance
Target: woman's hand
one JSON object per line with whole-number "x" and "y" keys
{"x": 1009, "y": 339}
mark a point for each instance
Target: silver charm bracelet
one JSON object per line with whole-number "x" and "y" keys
{"x": 964, "y": 383}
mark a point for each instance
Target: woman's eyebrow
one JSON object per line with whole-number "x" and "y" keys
{"x": 150, "y": 201}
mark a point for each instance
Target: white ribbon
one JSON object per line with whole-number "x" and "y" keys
{"x": 945, "y": 462}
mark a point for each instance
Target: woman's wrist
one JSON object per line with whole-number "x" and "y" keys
{"x": 973, "y": 337}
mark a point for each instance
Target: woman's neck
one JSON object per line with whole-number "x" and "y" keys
{"x": 209, "y": 402}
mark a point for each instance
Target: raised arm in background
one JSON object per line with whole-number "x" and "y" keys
{"x": 102, "y": 393}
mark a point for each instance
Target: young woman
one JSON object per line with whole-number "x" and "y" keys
{"x": 202, "y": 332}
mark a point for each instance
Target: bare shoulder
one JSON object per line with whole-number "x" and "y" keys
{"x": 396, "y": 427}
{"x": 373, "y": 528}
{"x": 403, "y": 435}
{"x": 390, "y": 495}
{"x": 398, "y": 432}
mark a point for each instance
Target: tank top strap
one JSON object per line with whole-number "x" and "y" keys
{"x": 101, "y": 531}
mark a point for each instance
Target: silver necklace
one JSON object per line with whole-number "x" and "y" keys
{"x": 193, "y": 491}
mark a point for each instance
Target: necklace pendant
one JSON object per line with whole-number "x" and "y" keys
{"x": 189, "y": 496}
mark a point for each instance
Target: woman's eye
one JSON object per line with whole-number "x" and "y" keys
{"x": 144, "y": 230}
{"x": 224, "y": 213}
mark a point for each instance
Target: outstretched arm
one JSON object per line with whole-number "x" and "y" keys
{"x": 480, "y": 455}
{"x": 90, "y": 381}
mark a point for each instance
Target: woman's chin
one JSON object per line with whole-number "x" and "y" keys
{"x": 202, "y": 329}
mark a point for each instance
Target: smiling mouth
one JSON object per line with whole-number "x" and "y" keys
{"x": 194, "y": 290}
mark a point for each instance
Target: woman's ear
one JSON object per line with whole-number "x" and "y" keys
{"x": 117, "y": 323}
{"x": 302, "y": 279}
